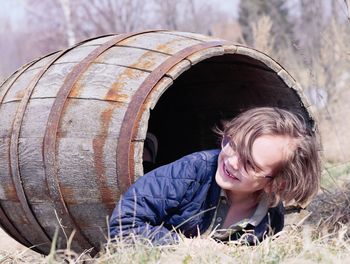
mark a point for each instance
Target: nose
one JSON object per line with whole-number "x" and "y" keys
{"x": 234, "y": 162}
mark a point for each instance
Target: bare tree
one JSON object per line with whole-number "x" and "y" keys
{"x": 66, "y": 8}
{"x": 347, "y": 3}
{"x": 276, "y": 10}
{"x": 99, "y": 17}
{"x": 187, "y": 15}
{"x": 263, "y": 39}
{"x": 168, "y": 13}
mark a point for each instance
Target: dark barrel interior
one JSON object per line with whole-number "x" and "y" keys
{"x": 215, "y": 89}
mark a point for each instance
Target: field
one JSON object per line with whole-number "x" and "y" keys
{"x": 305, "y": 239}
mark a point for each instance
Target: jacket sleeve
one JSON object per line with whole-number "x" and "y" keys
{"x": 151, "y": 200}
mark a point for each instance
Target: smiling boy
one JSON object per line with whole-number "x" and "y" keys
{"x": 268, "y": 155}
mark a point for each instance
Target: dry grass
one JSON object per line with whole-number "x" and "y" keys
{"x": 331, "y": 211}
{"x": 310, "y": 243}
{"x": 322, "y": 238}
{"x": 294, "y": 245}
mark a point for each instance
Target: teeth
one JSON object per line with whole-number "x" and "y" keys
{"x": 228, "y": 173}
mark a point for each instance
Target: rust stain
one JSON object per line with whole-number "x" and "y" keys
{"x": 68, "y": 194}
{"x": 114, "y": 94}
{"x": 61, "y": 134}
{"x": 168, "y": 47}
{"x": 165, "y": 47}
{"x": 110, "y": 206}
{"x": 146, "y": 62}
{"x": 63, "y": 129}
{"x": 75, "y": 91}
{"x": 126, "y": 41}
{"x": 107, "y": 195}
{"x": 10, "y": 192}
{"x": 19, "y": 95}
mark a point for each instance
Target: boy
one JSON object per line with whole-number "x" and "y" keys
{"x": 268, "y": 155}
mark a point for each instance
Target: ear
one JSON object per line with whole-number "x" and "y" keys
{"x": 268, "y": 186}
{"x": 282, "y": 185}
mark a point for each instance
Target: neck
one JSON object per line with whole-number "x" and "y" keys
{"x": 248, "y": 200}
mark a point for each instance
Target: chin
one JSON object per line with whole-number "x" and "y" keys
{"x": 224, "y": 183}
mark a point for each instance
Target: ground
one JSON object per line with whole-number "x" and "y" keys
{"x": 9, "y": 246}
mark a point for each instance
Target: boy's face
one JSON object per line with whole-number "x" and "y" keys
{"x": 268, "y": 152}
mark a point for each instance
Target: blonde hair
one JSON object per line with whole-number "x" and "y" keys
{"x": 298, "y": 177}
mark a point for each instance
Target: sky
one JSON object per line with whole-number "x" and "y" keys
{"x": 13, "y": 10}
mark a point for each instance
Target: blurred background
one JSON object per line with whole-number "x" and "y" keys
{"x": 308, "y": 37}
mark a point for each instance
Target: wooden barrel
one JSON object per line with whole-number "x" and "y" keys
{"x": 73, "y": 123}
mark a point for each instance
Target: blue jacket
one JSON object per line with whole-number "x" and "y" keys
{"x": 181, "y": 195}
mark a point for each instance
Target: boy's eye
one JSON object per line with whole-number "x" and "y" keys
{"x": 250, "y": 166}
{"x": 233, "y": 145}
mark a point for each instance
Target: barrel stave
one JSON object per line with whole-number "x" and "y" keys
{"x": 145, "y": 60}
{"x": 165, "y": 43}
{"x": 75, "y": 55}
{"x": 98, "y": 41}
{"x": 52, "y": 80}
{"x": 111, "y": 83}
{"x": 16, "y": 91}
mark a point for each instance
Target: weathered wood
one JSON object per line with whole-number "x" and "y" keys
{"x": 145, "y": 60}
{"x": 17, "y": 89}
{"x": 7, "y": 190}
{"x": 21, "y": 223}
{"x": 161, "y": 42}
{"x": 88, "y": 173}
{"x": 260, "y": 57}
{"x": 90, "y": 119}
{"x": 75, "y": 55}
{"x": 178, "y": 69}
{"x": 205, "y": 54}
{"x": 7, "y": 84}
{"x": 142, "y": 126}
{"x": 98, "y": 41}
{"x": 31, "y": 163}
{"x": 230, "y": 49}
{"x": 7, "y": 114}
{"x": 190, "y": 35}
{"x": 42, "y": 62}
{"x": 109, "y": 83}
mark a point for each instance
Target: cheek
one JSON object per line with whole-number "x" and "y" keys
{"x": 254, "y": 184}
{"x": 220, "y": 158}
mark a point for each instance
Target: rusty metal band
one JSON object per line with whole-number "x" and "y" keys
{"x": 19, "y": 73}
{"x": 50, "y": 138}
{"x": 15, "y": 171}
{"x": 17, "y": 124}
{"x": 125, "y": 159}
{"x": 8, "y": 225}
{"x": 11, "y": 230}
{"x": 14, "y": 156}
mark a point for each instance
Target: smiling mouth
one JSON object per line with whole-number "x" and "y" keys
{"x": 228, "y": 173}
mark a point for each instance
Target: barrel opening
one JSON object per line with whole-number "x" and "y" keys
{"x": 215, "y": 89}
